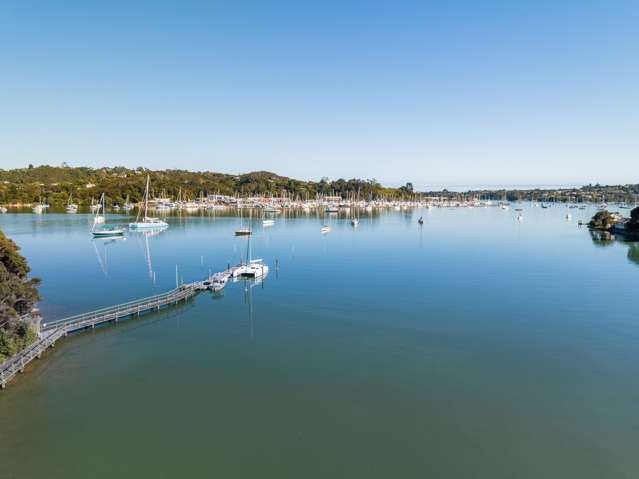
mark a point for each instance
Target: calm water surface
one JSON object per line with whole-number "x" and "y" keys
{"x": 475, "y": 346}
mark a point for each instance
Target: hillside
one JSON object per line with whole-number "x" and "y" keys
{"x": 56, "y": 184}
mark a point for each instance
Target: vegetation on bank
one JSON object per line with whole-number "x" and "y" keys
{"x": 585, "y": 194}
{"x": 18, "y": 294}
{"x": 607, "y": 221}
{"x": 55, "y": 185}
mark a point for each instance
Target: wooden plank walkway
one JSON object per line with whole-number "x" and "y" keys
{"x": 52, "y": 331}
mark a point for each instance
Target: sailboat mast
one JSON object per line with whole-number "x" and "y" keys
{"x": 146, "y": 198}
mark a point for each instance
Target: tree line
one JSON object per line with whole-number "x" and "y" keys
{"x": 56, "y": 185}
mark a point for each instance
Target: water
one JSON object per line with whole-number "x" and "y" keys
{"x": 475, "y": 346}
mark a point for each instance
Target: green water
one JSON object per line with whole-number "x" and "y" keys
{"x": 475, "y": 346}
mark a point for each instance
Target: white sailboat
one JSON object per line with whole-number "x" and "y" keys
{"x": 71, "y": 206}
{"x": 147, "y": 222}
{"x": 99, "y": 229}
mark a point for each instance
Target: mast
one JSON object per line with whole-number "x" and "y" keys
{"x": 146, "y": 198}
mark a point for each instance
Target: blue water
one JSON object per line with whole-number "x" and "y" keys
{"x": 474, "y": 346}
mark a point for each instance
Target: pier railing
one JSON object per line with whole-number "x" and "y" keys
{"x": 51, "y": 331}
{"x": 122, "y": 310}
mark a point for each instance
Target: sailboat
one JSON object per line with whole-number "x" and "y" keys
{"x": 243, "y": 230}
{"x": 71, "y": 207}
{"x": 147, "y": 222}
{"x": 99, "y": 229}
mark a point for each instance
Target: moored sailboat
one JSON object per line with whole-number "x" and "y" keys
{"x": 147, "y": 222}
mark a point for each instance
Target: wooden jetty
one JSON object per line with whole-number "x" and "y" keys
{"x": 51, "y": 331}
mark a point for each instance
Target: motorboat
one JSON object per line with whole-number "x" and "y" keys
{"x": 325, "y": 229}
{"x": 268, "y": 222}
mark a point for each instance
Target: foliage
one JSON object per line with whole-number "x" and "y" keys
{"x": 634, "y": 219}
{"x": 18, "y": 294}
{"x": 57, "y": 185}
{"x": 603, "y": 220}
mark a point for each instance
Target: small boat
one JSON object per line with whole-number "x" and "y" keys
{"x": 268, "y": 222}
{"x": 568, "y": 216}
{"x": 106, "y": 231}
{"x": 245, "y": 231}
{"x": 37, "y": 209}
{"x": 354, "y": 222}
{"x": 420, "y": 220}
{"x": 71, "y": 207}
{"x": 217, "y": 282}
{"x": 519, "y": 209}
{"x": 520, "y": 217}
{"x": 332, "y": 209}
{"x": 325, "y": 229}
{"x": 3, "y": 209}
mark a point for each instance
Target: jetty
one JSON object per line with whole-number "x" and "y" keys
{"x": 52, "y": 331}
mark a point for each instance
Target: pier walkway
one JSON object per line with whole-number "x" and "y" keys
{"x": 51, "y": 331}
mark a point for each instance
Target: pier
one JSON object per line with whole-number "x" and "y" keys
{"x": 52, "y": 331}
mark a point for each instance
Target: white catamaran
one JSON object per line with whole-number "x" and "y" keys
{"x": 147, "y": 222}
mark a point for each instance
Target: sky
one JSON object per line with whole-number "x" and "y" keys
{"x": 465, "y": 92}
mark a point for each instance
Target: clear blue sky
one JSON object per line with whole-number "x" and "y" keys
{"x": 438, "y": 93}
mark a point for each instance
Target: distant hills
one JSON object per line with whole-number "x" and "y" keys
{"x": 56, "y": 184}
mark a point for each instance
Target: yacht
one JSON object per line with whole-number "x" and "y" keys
{"x": 268, "y": 222}
{"x": 71, "y": 207}
{"x": 325, "y": 229}
{"x": 255, "y": 269}
{"x": 37, "y": 209}
{"x": 3, "y": 209}
{"x": 99, "y": 229}
{"x": 146, "y": 222}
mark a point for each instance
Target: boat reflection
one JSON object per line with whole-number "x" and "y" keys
{"x": 103, "y": 258}
{"x": 146, "y": 234}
